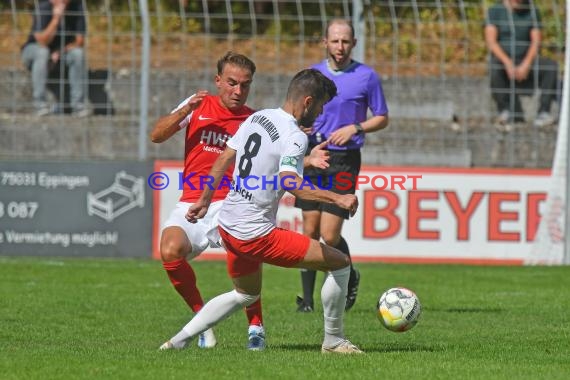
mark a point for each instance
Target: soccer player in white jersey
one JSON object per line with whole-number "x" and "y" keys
{"x": 269, "y": 148}
{"x": 207, "y": 120}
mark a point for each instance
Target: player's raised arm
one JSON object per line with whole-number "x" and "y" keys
{"x": 200, "y": 208}
{"x": 168, "y": 125}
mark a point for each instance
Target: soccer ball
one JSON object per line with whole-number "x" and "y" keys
{"x": 398, "y": 309}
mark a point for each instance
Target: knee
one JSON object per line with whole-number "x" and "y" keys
{"x": 333, "y": 259}
{"x": 330, "y": 238}
{"x": 75, "y": 55}
{"x": 41, "y": 55}
{"x": 340, "y": 262}
{"x": 311, "y": 231}
{"x": 171, "y": 251}
{"x": 245, "y": 299}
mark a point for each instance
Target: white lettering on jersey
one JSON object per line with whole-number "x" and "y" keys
{"x": 212, "y": 149}
{"x": 214, "y": 138}
{"x": 267, "y": 125}
{"x": 265, "y": 148}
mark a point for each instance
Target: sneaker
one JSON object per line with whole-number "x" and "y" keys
{"x": 256, "y": 338}
{"x": 353, "y": 283}
{"x": 170, "y": 346}
{"x": 207, "y": 339}
{"x": 81, "y": 112}
{"x": 503, "y": 122}
{"x": 344, "y": 347}
{"x": 166, "y": 346}
{"x": 304, "y": 307}
{"x": 504, "y": 117}
{"x": 44, "y": 110}
{"x": 544, "y": 119}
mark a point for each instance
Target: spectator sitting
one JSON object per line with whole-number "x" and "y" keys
{"x": 513, "y": 36}
{"x": 58, "y": 33}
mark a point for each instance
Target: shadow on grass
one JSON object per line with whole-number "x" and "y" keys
{"x": 468, "y": 310}
{"x": 385, "y": 349}
{"x": 297, "y": 347}
{"x": 403, "y": 348}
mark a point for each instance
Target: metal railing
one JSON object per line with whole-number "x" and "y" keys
{"x": 430, "y": 54}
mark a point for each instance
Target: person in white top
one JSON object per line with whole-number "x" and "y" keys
{"x": 268, "y": 151}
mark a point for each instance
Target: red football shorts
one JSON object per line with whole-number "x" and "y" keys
{"x": 280, "y": 247}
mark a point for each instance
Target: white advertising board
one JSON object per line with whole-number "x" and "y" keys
{"x": 479, "y": 216}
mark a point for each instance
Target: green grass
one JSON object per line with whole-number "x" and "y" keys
{"x": 87, "y": 318}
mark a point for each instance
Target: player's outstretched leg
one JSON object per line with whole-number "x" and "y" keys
{"x": 217, "y": 309}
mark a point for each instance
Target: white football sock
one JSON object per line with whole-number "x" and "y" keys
{"x": 333, "y": 296}
{"x": 217, "y": 309}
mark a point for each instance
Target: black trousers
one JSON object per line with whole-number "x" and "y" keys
{"x": 506, "y": 93}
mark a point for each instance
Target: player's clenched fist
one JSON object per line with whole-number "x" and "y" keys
{"x": 196, "y": 211}
{"x": 348, "y": 202}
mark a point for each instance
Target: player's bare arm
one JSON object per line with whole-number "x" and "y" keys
{"x": 199, "y": 209}
{"x": 318, "y": 158}
{"x": 343, "y": 135}
{"x": 295, "y": 186}
{"x": 168, "y": 125}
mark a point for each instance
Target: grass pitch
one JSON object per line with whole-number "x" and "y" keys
{"x": 104, "y": 319}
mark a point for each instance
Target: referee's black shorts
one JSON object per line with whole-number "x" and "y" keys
{"x": 339, "y": 177}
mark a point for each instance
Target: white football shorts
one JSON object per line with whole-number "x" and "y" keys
{"x": 202, "y": 234}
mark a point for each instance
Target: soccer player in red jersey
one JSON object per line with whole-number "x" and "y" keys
{"x": 209, "y": 120}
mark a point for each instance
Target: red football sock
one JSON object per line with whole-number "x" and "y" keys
{"x": 253, "y": 312}
{"x": 182, "y": 276}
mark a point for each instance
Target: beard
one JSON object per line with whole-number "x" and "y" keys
{"x": 307, "y": 121}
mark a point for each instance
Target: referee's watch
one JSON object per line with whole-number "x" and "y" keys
{"x": 359, "y": 129}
